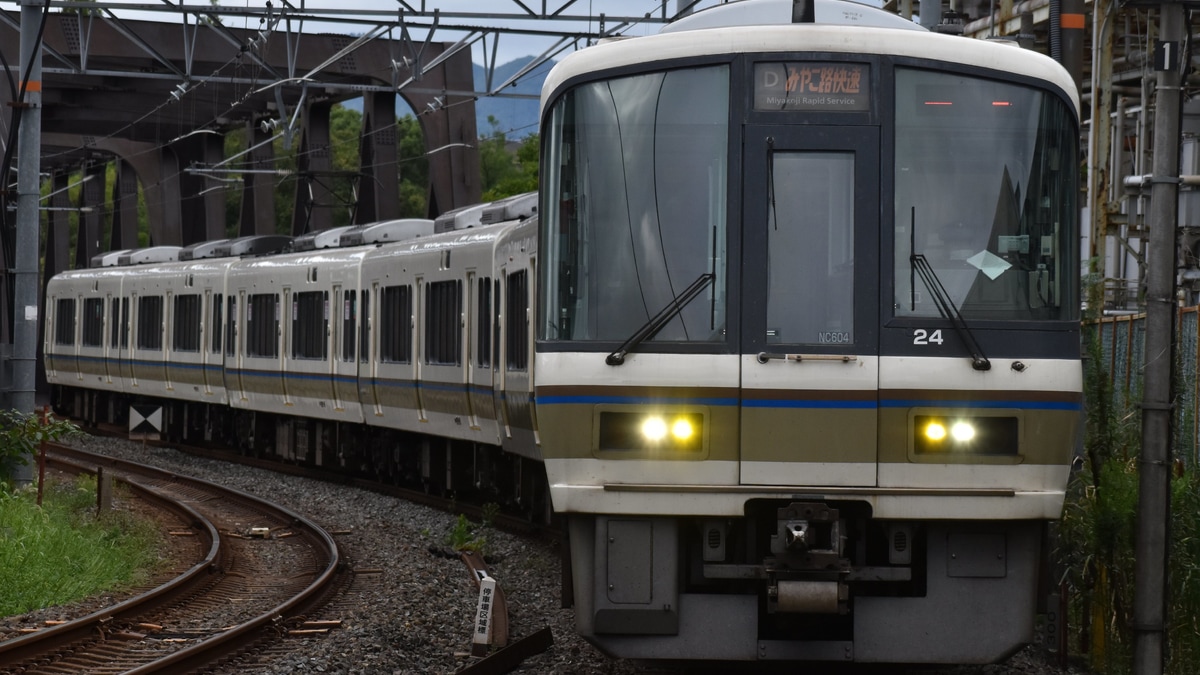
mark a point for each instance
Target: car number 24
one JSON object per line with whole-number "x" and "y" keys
{"x": 927, "y": 337}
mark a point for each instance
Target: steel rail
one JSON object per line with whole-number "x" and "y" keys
{"x": 215, "y": 647}
{"x": 33, "y": 645}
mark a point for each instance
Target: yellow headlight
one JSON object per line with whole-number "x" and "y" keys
{"x": 654, "y": 429}
{"x": 682, "y": 429}
{"x": 935, "y": 431}
{"x": 964, "y": 435}
{"x": 661, "y": 432}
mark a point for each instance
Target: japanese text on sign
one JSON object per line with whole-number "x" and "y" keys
{"x": 483, "y": 617}
{"x": 812, "y": 86}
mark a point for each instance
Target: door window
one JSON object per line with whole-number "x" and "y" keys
{"x": 810, "y": 248}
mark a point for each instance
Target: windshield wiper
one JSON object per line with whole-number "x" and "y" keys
{"x": 949, "y": 310}
{"x": 659, "y": 320}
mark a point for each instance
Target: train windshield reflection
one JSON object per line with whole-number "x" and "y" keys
{"x": 618, "y": 249}
{"x": 984, "y": 177}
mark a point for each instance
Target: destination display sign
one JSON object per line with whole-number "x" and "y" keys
{"x": 825, "y": 87}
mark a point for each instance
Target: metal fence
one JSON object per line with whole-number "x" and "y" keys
{"x": 1123, "y": 342}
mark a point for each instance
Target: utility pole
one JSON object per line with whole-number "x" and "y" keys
{"x": 25, "y": 270}
{"x": 1154, "y": 468}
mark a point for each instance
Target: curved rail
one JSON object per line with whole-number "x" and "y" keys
{"x": 33, "y": 645}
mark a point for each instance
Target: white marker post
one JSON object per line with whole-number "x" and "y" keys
{"x": 483, "y": 617}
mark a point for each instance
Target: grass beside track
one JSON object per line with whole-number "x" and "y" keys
{"x": 63, "y": 551}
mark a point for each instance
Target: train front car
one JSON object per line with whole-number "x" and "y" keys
{"x": 807, "y": 366}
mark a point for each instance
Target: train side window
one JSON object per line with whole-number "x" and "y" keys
{"x": 231, "y": 326}
{"x": 217, "y": 327}
{"x": 496, "y": 323}
{"x": 517, "y": 323}
{"x": 310, "y": 325}
{"x": 124, "y": 323}
{"x": 443, "y": 325}
{"x": 262, "y": 325}
{"x": 186, "y": 324}
{"x": 395, "y": 324}
{"x": 150, "y": 323}
{"x": 364, "y": 330}
{"x": 349, "y": 320}
{"x": 484, "y": 323}
{"x": 64, "y": 322}
{"x": 93, "y": 322}
{"x": 114, "y": 320}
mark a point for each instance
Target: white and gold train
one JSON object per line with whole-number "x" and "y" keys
{"x": 792, "y": 339}
{"x": 337, "y": 349}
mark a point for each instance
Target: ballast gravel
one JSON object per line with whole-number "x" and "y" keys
{"x": 411, "y": 609}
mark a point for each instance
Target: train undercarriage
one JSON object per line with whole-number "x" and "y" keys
{"x": 470, "y": 472}
{"x": 807, "y": 580}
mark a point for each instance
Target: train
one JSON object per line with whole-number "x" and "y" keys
{"x": 788, "y": 338}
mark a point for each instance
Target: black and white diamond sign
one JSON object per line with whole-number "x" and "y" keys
{"x": 145, "y": 421}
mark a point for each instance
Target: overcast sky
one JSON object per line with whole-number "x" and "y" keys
{"x": 509, "y": 47}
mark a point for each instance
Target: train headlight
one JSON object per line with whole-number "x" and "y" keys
{"x": 682, "y": 429}
{"x": 963, "y": 432}
{"x": 667, "y": 431}
{"x": 935, "y": 431}
{"x": 982, "y": 435}
{"x": 654, "y": 429}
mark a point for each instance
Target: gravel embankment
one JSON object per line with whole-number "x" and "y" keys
{"x": 415, "y": 616}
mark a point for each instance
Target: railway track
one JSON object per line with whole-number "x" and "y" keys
{"x": 262, "y": 567}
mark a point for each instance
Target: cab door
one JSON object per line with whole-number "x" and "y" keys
{"x": 809, "y": 372}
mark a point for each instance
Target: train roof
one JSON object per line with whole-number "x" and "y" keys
{"x": 997, "y": 55}
{"x": 329, "y": 238}
{"x": 465, "y": 222}
{"x": 149, "y": 256}
{"x": 109, "y": 259}
{"x": 775, "y": 12}
{"x": 389, "y": 231}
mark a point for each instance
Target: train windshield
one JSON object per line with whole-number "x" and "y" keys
{"x": 986, "y": 182}
{"x": 634, "y": 213}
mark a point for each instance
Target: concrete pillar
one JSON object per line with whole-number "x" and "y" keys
{"x": 450, "y": 135}
{"x": 58, "y": 231}
{"x": 314, "y": 200}
{"x": 91, "y": 217}
{"x": 164, "y": 199}
{"x": 379, "y": 178}
{"x": 125, "y": 213}
{"x": 258, "y": 195}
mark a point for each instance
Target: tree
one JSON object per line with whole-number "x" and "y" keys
{"x": 22, "y": 433}
{"x": 414, "y": 168}
{"x": 505, "y": 172}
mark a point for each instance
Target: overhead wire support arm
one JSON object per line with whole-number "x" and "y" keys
{"x": 555, "y": 49}
{"x": 46, "y": 49}
{"x": 119, "y": 26}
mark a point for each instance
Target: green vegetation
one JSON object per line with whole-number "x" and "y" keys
{"x": 490, "y": 511}
{"x": 462, "y": 536}
{"x": 22, "y": 433}
{"x": 1095, "y": 543}
{"x": 61, "y": 551}
{"x": 507, "y": 173}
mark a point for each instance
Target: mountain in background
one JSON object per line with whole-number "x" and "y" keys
{"x": 516, "y": 117}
